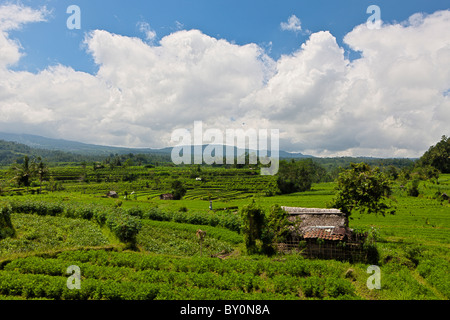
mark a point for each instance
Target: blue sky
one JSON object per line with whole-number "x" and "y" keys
{"x": 138, "y": 70}
{"x": 242, "y": 22}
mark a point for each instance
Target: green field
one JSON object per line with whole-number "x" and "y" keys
{"x": 65, "y": 225}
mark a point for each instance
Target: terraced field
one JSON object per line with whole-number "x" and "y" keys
{"x": 73, "y": 227}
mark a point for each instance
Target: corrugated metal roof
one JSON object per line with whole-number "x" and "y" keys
{"x": 325, "y": 233}
{"x": 299, "y": 210}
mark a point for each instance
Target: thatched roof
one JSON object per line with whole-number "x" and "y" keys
{"x": 112, "y": 194}
{"x": 167, "y": 196}
{"x": 314, "y": 218}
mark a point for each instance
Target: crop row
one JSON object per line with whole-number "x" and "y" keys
{"x": 291, "y": 265}
{"x": 125, "y": 226}
{"x": 123, "y": 218}
{"x": 51, "y": 287}
{"x": 437, "y": 273}
{"x": 214, "y": 232}
{"x": 41, "y": 233}
{"x": 225, "y": 219}
{"x": 277, "y": 285}
{"x": 157, "y": 238}
{"x": 48, "y": 287}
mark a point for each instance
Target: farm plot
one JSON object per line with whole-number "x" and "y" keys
{"x": 416, "y": 219}
{"x": 134, "y": 276}
{"x": 41, "y": 233}
{"x": 107, "y": 274}
{"x": 180, "y": 239}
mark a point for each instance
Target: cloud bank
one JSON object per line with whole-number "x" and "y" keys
{"x": 391, "y": 102}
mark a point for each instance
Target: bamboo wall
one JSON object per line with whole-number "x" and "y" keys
{"x": 325, "y": 249}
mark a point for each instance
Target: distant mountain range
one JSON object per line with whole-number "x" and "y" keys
{"x": 39, "y": 142}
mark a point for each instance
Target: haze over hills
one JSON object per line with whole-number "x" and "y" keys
{"x": 13, "y": 147}
{"x": 39, "y": 142}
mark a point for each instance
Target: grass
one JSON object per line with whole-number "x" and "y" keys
{"x": 413, "y": 246}
{"x": 41, "y": 233}
{"x": 180, "y": 239}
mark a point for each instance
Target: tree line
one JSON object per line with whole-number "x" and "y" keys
{"x": 13, "y": 152}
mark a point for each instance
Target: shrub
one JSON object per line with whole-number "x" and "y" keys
{"x": 285, "y": 284}
{"x": 53, "y": 209}
{"x": 6, "y": 227}
{"x": 156, "y": 214}
{"x": 339, "y": 287}
{"x": 178, "y": 190}
{"x": 312, "y": 287}
{"x": 86, "y": 212}
{"x": 252, "y": 226}
{"x": 413, "y": 188}
{"x": 136, "y": 212}
{"x": 100, "y": 216}
{"x": 414, "y": 254}
{"x": 124, "y": 226}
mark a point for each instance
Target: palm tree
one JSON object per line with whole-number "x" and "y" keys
{"x": 41, "y": 170}
{"x": 22, "y": 173}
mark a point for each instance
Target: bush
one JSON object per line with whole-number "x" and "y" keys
{"x": 339, "y": 287}
{"x": 178, "y": 190}
{"x": 136, "y": 212}
{"x": 156, "y": 214}
{"x": 100, "y": 216}
{"x": 253, "y": 221}
{"x": 86, "y": 212}
{"x": 413, "y": 188}
{"x": 53, "y": 209}
{"x": 414, "y": 254}
{"x": 285, "y": 284}
{"x": 312, "y": 287}
{"x": 124, "y": 226}
{"x": 6, "y": 227}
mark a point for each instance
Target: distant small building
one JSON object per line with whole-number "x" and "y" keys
{"x": 166, "y": 196}
{"x": 112, "y": 194}
{"x": 321, "y": 233}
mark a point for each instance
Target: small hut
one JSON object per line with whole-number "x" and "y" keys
{"x": 166, "y": 196}
{"x": 321, "y": 233}
{"x": 112, "y": 194}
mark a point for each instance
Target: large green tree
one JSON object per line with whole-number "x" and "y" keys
{"x": 22, "y": 173}
{"x": 178, "y": 190}
{"x": 253, "y": 222}
{"x": 363, "y": 189}
{"x": 438, "y": 156}
{"x": 295, "y": 176}
{"x": 40, "y": 169}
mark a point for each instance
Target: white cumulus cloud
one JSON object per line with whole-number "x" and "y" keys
{"x": 293, "y": 24}
{"x": 391, "y": 102}
{"x": 144, "y": 27}
{"x": 13, "y": 17}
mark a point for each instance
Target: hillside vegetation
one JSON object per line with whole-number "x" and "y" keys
{"x": 157, "y": 255}
{"x": 131, "y": 245}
